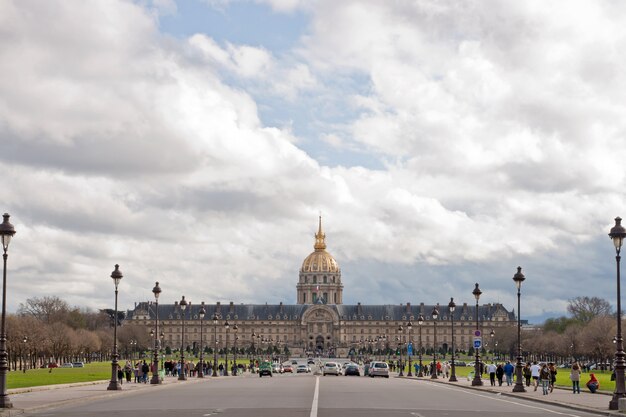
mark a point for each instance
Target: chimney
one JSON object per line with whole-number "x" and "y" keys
{"x": 281, "y": 308}
{"x": 422, "y": 308}
{"x": 408, "y": 307}
{"x": 231, "y": 308}
{"x": 359, "y": 310}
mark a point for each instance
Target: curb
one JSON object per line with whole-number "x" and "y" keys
{"x": 538, "y": 400}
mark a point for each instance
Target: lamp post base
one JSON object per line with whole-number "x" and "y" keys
{"x": 5, "y": 402}
{"x": 114, "y": 386}
{"x": 453, "y": 379}
{"x": 155, "y": 379}
{"x": 477, "y": 382}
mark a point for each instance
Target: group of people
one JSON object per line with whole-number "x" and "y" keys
{"x": 499, "y": 371}
{"x": 545, "y": 374}
{"x": 140, "y": 370}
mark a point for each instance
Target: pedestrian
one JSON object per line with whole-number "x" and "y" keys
{"x": 552, "y": 368}
{"x": 491, "y": 370}
{"x": 508, "y": 373}
{"x": 544, "y": 377}
{"x": 593, "y": 384}
{"x": 574, "y": 376}
{"x": 128, "y": 370}
{"x": 499, "y": 374}
{"x": 145, "y": 369}
{"x": 534, "y": 372}
{"x": 120, "y": 374}
{"x": 527, "y": 374}
{"x": 138, "y": 372}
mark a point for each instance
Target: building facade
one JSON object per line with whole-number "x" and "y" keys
{"x": 320, "y": 322}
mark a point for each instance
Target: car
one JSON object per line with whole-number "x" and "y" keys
{"x": 352, "y": 369}
{"x": 277, "y": 368}
{"x": 51, "y": 365}
{"x": 265, "y": 368}
{"x": 310, "y": 362}
{"x": 331, "y": 368}
{"x": 67, "y": 365}
{"x": 288, "y": 368}
{"x": 459, "y": 363}
{"x": 302, "y": 369}
{"x": 294, "y": 362}
{"x": 379, "y": 369}
{"x": 78, "y": 364}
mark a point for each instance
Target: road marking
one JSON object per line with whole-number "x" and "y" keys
{"x": 503, "y": 399}
{"x": 315, "y": 397}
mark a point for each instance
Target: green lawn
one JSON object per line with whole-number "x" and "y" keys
{"x": 94, "y": 371}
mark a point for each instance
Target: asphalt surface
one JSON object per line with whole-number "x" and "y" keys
{"x": 307, "y": 395}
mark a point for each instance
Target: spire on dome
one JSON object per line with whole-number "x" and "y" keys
{"x": 320, "y": 243}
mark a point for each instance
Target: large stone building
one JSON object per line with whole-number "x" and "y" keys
{"x": 320, "y": 322}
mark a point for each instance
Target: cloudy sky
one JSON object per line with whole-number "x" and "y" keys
{"x": 196, "y": 142}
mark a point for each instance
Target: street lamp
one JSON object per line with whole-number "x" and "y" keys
{"x": 155, "y": 365}
{"x": 25, "y": 340}
{"x": 235, "y": 328}
{"x": 492, "y": 334}
{"x": 409, "y": 326}
{"x": 182, "y": 376}
{"x": 618, "y": 233}
{"x": 6, "y": 233}
{"x": 420, "y": 321}
{"x": 401, "y": 331}
{"x": 452, "y": 307}
{"x": 201, "y": 314}
{"x": 519, "y": 385}
{"x": 215, "y": 320}
{"x": 114, "y": 384}
{"x": 477, "y": 381}
{"x": 227, "y": 327}
{"x": 435, "y": 314}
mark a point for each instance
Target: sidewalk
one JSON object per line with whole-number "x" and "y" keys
{"x": 585, "y": 401}
{"x": 26, "y": 400}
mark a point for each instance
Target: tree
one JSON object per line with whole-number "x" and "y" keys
{"x": 559, "y": 324}
{"x": 584, "y": 309}
{"x": 48, "y": 309}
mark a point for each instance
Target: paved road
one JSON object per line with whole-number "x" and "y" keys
{"x": 308, "y": 396}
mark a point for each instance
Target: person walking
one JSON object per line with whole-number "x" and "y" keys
{"x": 544, "y": 377}
{"x": 499, "y": 374}
{"x": 574, "y": 376}
{"x": 508, "y": 372}
{"x": 527, "y": 374}
{"x": 535, "y": 369}
{"x": 552, "y": 368}
{"x": 491, "y": 370}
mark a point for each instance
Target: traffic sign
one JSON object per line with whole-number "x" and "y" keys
{"x": 478, "y": 342}
{"x": 409, "y": 349}
{"x": 477, "y": 333}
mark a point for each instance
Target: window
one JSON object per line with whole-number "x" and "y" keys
{"x": 314, "y": 279}
{"x": 314, "y": 297}
{"x": 325, "y": 279}
{"x": 304, "y": 298}
{"x": 325, "y": 296}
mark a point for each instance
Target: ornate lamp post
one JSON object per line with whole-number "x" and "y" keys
{"x": 155, "y": 364}
{"x": 452, "y": 307}
{"x": 201, "y": 314}
{"x": 519, "y": 385}
{"x": 227, "y": 327}
{"x": 409, "y": 326}
{"x": 162, "y": 338}
{"x": 6, "y": 233}
{"x": 420, "y": 321}
{"x": 114, "y": 384}
{"x": 618, "y": 233}
{"x": 235, "y": 328}
{"x": 492, "y": 334}
{"x": 435, "y": 314}
{"x": 183, "y": 306}
{"x": 477, "y": 381}
{"x": 215, "y": 320}
{"x": 252, "y": 348}
{"x": 401, "y": 344}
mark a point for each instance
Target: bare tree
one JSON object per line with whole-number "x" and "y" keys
{"x": 48, "y": 309}
{"x": 585, "y": 309}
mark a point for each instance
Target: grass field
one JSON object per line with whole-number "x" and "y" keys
{"x": 95, "y": 371}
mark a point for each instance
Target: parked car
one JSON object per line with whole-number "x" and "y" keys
{"x": 459, "y": 363}
{"x": 67, "y": 365}
{"x": 265, "y": 368}
{"x": 302, "y": 369}
{"x": 379, "y": 369}
{"x": 331, "y": 368}
{"x": 51, "y": 365}
{"x": 294, "y": 362}
{"x": 288, "y": 368}
{"x": 352, "y": 369}
{"x": 78, "y": 364}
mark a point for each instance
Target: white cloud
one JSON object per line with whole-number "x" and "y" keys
{"x": 498, "y": 128}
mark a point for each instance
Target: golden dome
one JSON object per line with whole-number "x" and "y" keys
{"x": 320, "y": 260}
